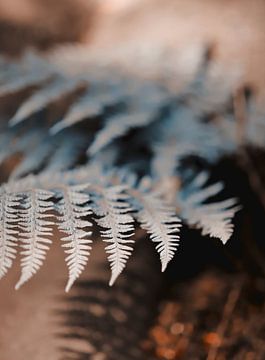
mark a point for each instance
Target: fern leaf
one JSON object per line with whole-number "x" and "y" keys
{"x": 167, "y": 127}
{"x": 214, "y": 219}
{"x": 35, "y": 232}
{"x": 43, "y": 97}
{"x": 184, "y": 134}
{"x": 32, "y": 71}
{"x": 14, "y": 142}
{"x": 167, "y": 157}
{"x": 111, "y": 208}
{"x": 73, "y": 209}
{"x": 159, "y": 220}
{"x": 5, "y": 141}
{"x": 141, "y": 112}
{"x": 67, "y": 153}
{"x": 91, "y": 104}
{"x": 116, "y": 127}
{"x": 34, "y": 160}
{"x": 22, "y": 82}
{"x": 8, "y": 229}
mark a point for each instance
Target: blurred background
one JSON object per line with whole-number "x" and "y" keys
{"x": 235, "y": 28}
{"x": 211, "y": 302}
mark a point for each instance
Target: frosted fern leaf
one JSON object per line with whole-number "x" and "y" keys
{"x": 112, "y": 209}
{"x": 159, "y": 220}
{"x": 14, "y": 142}
{"x": 8, "y": 230}
{"x": 32, "y": 71}
{"x": 73, "y": 209}
{"x": 43, "y": 97}
{"x": 34, "y": 160}
{"x": 36, "y": 230}
{"x": 183, "y": 133}
{"x": 67, "y": 152}
{"x": 143, "y": 112}
{"x": 90, "y": 105}
{"x": 167, "y": 127}
{"x": 214, "y": 219}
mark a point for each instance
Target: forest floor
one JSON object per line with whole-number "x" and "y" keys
{"x": 214, "y": 316}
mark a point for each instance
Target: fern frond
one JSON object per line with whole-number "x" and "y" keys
{"x": 67, "y": 152}
{"x": 73, "y": 208}
{"x": 159, "y": 220}
{"x": 134, "y": 123}
{"x": 5, "y": 140}
{"x": 19, "y": 142}
{"x": 36, "y": 230}
{"x": 167, "y": 157}
{"x": 51, "y": 92}
{"x": 8, "y": 229}
{"x": 184, "y": 134}
{"x": 86, "y": 106}
{"x": 90, "y": 105}
{"x": 112, "y": 209}
{"x": 141, "y": 112}
{"x": 215, "y": 219}
{"x": 35, "y": 159}
{"x": 18, "y": 76}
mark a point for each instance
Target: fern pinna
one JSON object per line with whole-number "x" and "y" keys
{"x": 121, "y": 154}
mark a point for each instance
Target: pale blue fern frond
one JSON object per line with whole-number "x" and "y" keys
{"x": 74, "y": 208}
{"x": 66, "y": 151}
{"x": 160, "y": 221}
{"x": 36, "y": 231}
{"x": 214, "y": 219}
{"x": 112, "y": 210}
{"x": 34, "y": 159}
{"x": 9, "y": 220}
{"x": 51, "y": 92}
{"x": 142, "y": 111}
{"x": 28, "y": 72}
{"x": 89, "y": 105}
{"x": 139, "y": 132}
